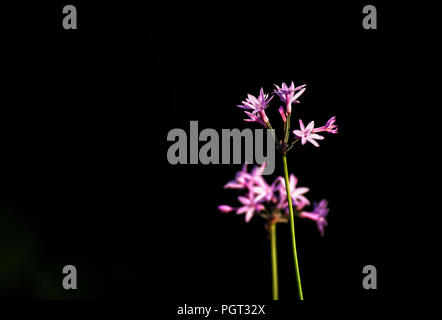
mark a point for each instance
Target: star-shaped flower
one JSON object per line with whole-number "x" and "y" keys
{"x": 255, "y": 107}
{"x": 319, "y": 213}
{"x": 289, "y": 95}
{"x": 307, "y": 133}
{"x": 298, "y": 198}
{"x": 250, "y": 205}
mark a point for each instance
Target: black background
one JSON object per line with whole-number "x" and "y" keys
{"x": 84, "y": 177}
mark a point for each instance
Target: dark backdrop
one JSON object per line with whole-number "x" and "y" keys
{"x": 84, "y": 177}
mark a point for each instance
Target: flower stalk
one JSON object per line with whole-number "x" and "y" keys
{"x": 292, "y": 226}
{"x": 274, "y": 254}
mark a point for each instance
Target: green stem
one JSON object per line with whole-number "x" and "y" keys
{"x": 287, "y": 130}
{"x": 275, "y": 291}
{"x": 292, "y": 225}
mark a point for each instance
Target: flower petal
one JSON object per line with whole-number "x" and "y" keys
{"x": 312, "y": 141}
{"x": 298, "y": 133}
{"x": 244, "y": 200}
{"x": 310, "y": 126}
{"x": 249, "y": 214}
{"x": 301, "y": 125}
{"x": 298, "y": 94}
{"x": 242, "y": 210}
{"x": 316, "y": 136}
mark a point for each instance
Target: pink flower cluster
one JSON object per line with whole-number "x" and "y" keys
{"x": 255, "y": 109}
{"x": 270, "y": 200}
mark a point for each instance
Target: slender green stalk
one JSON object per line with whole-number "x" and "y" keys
{"x": 292, "y": 226}
{"x": 287, "y": 130}
{"x": 275, "y": 291}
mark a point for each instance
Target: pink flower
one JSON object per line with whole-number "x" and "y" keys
{"x": 319, "y": 213}
{"x": 264, "y": 190}
{"x": 297, "y": 194}
{"x": 263, "y": 198}
{"x": 329, "y": 126}
{"x": 256, "y": 184}
{"x": 241, "y": 179}
{"x": 250, "y": 205}
{"x": 307, "y": 133}
{"x": 258, "y": 119}
{"x": 256, "y": 108}
{"x": 289, "y": 95}
{"x": 258, "y": 191}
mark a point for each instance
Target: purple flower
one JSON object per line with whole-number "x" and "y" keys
{"x": 329, "y": 126}
{"x": 263, "y": 190}
{"x": 297, "y": 194}
{"x": 255, "y": 108}
{"x": 250, "y": 205}
{"x": 289, "y": 94}
{"x": 307, "y": 133}
{"x": 258, "y": 191}
{"x": 272, "y": 199}
{"x": 256, "y": 184}
{"x": 257, "y": 118}
{"x": 256, "y": 104}
{"x": 319, "y": 213}
{"x": 243, "y": 179}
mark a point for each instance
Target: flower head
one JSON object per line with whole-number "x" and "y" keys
{"x": 260, "y": 118}
{"x": 307, "y": 133}
{"x": 289, "y": 95}
{"x": 250, "y": 204}
{"x": 270, "y": 200}
{"x": 319, "y": 213}
{"x": 255, "y": 107}
{"x": 257, "y": 184}
{"x": 329, "y": 126}
{"x": 297, "y": 194}
{"x": 258, "y": 191}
